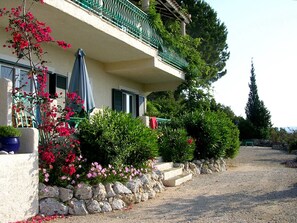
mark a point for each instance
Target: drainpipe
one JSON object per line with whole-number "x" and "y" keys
{"x": 183, "y": 28}
{"x": 145, "y": 4}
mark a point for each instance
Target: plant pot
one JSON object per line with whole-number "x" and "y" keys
{"x": 10, "y": 144}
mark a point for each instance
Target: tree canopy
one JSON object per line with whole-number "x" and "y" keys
{"x": 206, "y": 53}
{"x": 212, "y": 33}
{"x": 256, "y": 112}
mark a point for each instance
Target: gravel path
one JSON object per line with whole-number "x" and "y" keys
{"x": 256, "y": 188}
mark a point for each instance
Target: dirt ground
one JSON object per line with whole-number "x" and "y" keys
{"x": 256, "y": 188}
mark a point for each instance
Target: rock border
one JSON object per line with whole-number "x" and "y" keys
{"x": 84, "y": 199}
{"x": 203, "y": 166}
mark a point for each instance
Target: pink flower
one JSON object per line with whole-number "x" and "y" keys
{"x": 89, "y": 175}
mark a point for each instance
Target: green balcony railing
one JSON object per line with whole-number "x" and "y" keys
{"x": 172, "y": 58}
{"x": 129, "y": 18}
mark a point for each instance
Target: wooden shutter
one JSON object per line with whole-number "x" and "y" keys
{"x": 117, "y": 100}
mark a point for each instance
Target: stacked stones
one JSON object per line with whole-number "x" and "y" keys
{"x": 204, "y": 166}
{"x": 85, "y": 199}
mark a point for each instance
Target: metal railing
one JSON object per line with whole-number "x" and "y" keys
{"x": 129, "y": 18}
{"x": 173, "y": 59}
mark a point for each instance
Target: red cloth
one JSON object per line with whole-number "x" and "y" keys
{"x": 153, "y": 123}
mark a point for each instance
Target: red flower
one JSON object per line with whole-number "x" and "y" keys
{"x": 62, "y": 44}
{"x": 48, "y": 157}
{"x": 63, "y": 131}
{"x": 70, "y": 157}
{"x": 70, "y": 170}
{"x": 190, "y": 141}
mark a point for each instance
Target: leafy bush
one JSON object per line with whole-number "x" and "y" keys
{"x": 118, "y": 139}
{"x": 214, "y": 133}
{"x": 9, "y": 131}
{"x": 175, "y": 145}
{"x": 293, "y": 146}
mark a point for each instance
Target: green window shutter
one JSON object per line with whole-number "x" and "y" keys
{"x": 117, "y": 100}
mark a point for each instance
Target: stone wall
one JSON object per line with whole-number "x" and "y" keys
{"x": 204, "y": 166}
{"x": 85, "y": 199}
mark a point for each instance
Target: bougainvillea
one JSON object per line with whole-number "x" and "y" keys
{"x": 58, "y": 148}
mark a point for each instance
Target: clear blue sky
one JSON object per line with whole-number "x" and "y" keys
{"x": 265, "y": 30}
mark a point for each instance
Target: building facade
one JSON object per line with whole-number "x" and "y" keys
{"x": 126, "y": 58}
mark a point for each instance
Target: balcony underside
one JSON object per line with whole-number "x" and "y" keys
{"x": 120, "y": 53}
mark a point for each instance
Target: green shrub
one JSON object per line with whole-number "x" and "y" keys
{"x": 214, "y": 133}
{"x": 175, "y": 145}
{"x": 293, "y": 146}
{"x": 118, "y": 139}
{"x": 9, "y": 131}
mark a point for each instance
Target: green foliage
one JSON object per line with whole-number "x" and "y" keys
{"x": 9, "y": 131}
{"x": 118, "y": 139}
{"x": 256, "y": 112}
{"x": 293, "y": 146}
{"x": 281, "y": 136}
{"x": 198, "y": 73}
{"x": 175, "y": 145}
{"x": 164, "y": 105}
{"x": 205, "y": 53}
{"x": 214, "y": 133}
{"x": 212, "y": 34}
{"x": 284, "y": 137}
{"x": 245, "y": 128}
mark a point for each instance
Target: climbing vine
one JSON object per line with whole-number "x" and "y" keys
{"x": 197, "y": 73}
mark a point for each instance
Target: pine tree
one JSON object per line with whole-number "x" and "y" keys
{"x": 256, "y": 112}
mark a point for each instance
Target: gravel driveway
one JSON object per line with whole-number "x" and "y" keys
{"x": 256, "y": 188}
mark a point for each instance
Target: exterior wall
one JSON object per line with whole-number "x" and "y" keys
{"x": 5, "y": 102}
{"x": 101, "y": 82}
{"x": 18, "y": 172}
{"x": 61, "y": 62}
{"x": 19, "y": 180}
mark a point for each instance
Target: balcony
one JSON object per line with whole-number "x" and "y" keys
{"x": 115, "y": 34}
{"x": 131, "y": 19}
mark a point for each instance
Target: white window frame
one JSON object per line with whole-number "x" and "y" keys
{"x": 15, "y": 76}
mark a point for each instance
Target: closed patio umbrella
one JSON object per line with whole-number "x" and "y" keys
{"x": 80, "y": 84}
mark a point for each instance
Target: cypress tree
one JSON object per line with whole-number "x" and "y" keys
{"x": 256, "y": 112}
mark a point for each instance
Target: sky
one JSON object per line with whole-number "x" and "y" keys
{"x": 265, "y": 30}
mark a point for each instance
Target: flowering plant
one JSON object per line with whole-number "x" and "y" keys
{"x": 59, "y": 150}
{"x": 98, "y": 173}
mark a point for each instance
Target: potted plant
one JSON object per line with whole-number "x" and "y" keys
{"x": 9, "y": 139}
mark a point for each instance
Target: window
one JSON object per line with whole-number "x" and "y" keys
{"x": 18, "y": 75}
{"x": 58, "y": 84}
{"x": 128, "y": 102}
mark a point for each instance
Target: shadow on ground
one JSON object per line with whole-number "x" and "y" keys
{"x": 217, "y": 205}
